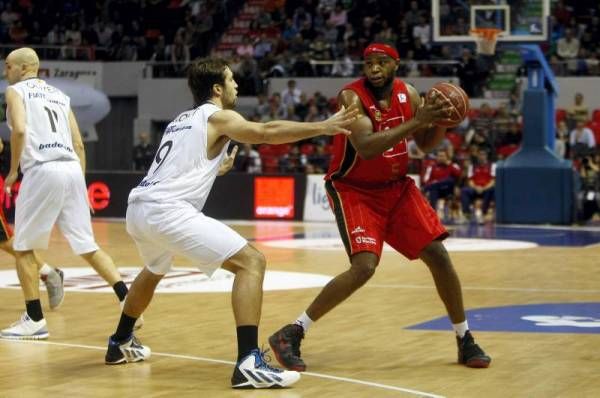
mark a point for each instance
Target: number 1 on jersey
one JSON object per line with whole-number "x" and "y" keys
{"x": 52, "y": 115}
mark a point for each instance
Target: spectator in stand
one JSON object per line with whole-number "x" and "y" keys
{"x": 320, "y": 51}
{"x": 561, "y": 143}
{"x": 405, "y": 38}
{"x": 440, "y": 178}
{"x": 262, "y": 108}
{"x": 74, "y": 33}
{"x": 289, "y": 30}
{"x": 67, "y": 51}
{"x": 290, "y": 96}
{"x": 245, "y": 48}
{"x": 581, "y": 141}
{"x": 568, "y": 46}
{"x": 579, "y": 112}
{"x": 143, "y": 152}
{"x": 423, "y": 31}
{"x": 248, "y": 160}
{"x": 413, "y": 14}
{"x": 17, "y": 33}
{"x": 300, "y": 18}
{"x": 302, "y": 66}
{"x": 319, "y": 160}
{"x": 262, "y": 47}
{"x": 161, "y": 56}
{"x": 486, "y": 118}
{"x": 293, "y": 161}
{"x": 366, "y": 35}
{"x": 301, "y": 109}
{"x": 509, "y": 140}
{"x": 502, "y": 123}
{"x": 338, "y": 17}
{"x": 386, "y": 34}
{"x": 514, "y": 104}
{"x": 480, "y": 184}
{"x": 468, "y": 74}
{"x": 180, "y": 54}
{"x": 343, "y": 66}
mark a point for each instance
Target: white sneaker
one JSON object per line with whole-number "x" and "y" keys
{"x": 253, "y": 372}
{"x": 139, "y": 322}
{"x": 54, "y": 282}
{"x": 129, "y": 351}
{"x": 26, "y": 329}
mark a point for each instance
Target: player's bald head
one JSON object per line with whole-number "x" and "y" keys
{"x": 24, "y": 56}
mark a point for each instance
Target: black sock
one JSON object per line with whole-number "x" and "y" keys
{"x": 247, "y": 337}
{"x": 125, "y": 328}
{"x": 34, "y": 310}
{"x": 120, "y": 289}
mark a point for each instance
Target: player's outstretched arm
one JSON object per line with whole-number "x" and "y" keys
{"x": 233, "y": 125}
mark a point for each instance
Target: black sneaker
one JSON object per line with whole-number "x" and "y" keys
{"x": 130, "y": 350}
{"x": 253, "y": 372}
{"x": 470, "y": 354}
{"x": 285, "y": 344}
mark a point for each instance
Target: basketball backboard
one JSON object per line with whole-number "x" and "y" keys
{"x": 521, "y": 21}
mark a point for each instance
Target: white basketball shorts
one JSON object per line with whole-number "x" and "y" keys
{"x": 53, "y": 193}
{"x": 162, "y": 230}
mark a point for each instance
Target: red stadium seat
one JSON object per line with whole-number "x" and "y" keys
{"x": 596, "y": 115}
{"x": 307, "y": 149}
{"x": 455, "y": 138}
{"x": 473, "y": 113}
{"x": 560, "y": 115}
{"x": 595, "y": 127}
{"x": 507, "y": 150}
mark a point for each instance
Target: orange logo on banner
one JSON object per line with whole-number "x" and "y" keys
{"x": 274, "y": 197}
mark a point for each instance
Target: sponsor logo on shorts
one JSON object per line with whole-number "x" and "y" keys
{"x": 365, "y": 240}
{"x": 357, "y": 230}
{"x": 179, "y": 280}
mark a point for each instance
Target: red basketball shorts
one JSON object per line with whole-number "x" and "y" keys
{"x": 397, "y": 214}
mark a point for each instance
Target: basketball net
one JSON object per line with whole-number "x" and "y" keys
{"x": 486, "y": 39}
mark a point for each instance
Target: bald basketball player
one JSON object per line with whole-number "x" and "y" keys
{"x": 46, "y": 144}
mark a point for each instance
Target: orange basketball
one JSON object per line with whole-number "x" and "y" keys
{"x": 457, "y": 97}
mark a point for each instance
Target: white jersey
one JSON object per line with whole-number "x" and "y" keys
{"x": 181, "y": 169}
{"x": 48, "y": 133}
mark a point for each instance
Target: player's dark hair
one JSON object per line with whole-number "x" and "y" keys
{"x": 202, "y": 75}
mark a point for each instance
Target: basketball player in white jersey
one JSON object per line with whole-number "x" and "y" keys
{"x": 47, "y": 145}
{"x": 165, "y": 218}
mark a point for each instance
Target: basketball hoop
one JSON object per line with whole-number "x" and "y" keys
{"x": 486, "y": 39}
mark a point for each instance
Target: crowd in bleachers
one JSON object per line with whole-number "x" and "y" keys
{"x": 307, "y": 38}
{"x": 116, "y": 30}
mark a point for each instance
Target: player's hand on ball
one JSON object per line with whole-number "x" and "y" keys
{"x": 433, "y": 109}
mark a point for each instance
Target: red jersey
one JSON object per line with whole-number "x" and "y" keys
{"x": 481, "y": 175}
{"x": 440, "y": 172}
{"x": 391, "y": 165}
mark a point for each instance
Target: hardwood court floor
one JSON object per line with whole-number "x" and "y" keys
{"x": 362, "y": 349}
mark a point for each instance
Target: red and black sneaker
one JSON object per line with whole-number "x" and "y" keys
{"x": 470, "y": 354}
{"x": 285, "y": 343}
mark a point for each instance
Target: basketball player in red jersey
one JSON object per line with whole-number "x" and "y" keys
{"x": 375, "y": 202}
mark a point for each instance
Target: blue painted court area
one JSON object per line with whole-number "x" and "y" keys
{"x": 543, "y": 236}
{"x": 533, "y": 318}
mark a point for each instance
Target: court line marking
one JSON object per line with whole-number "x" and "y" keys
{"x": 221, "y": 361}
{"x": 505, "y": 289}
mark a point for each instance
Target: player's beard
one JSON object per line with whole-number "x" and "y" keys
{"x": 379, "y": 92}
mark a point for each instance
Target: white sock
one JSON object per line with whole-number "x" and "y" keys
{"x": 304, "y": 321}
{"x": 461, "y": 328}
{"x": 46, "y": 269}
